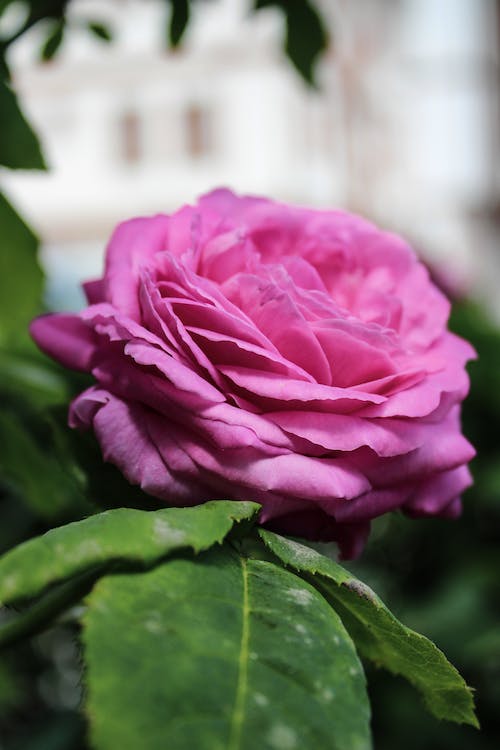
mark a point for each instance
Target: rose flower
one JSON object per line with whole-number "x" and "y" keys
{"x": 250, "y": 350}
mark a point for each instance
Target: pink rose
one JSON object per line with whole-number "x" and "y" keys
{"x": 252, "y": 350}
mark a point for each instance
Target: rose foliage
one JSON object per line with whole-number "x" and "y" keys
{"x": 252, "y": 350}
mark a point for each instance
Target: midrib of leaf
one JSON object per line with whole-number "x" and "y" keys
{"x": 242, "y": 685}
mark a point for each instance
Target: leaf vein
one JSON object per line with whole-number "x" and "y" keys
{"x": 242, "y": 684}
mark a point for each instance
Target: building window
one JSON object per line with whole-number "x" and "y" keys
{"x": 198, "y": 131}
{"x": 130, "y": 137}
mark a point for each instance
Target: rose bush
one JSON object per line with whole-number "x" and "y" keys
{"x": 245, "y": 349}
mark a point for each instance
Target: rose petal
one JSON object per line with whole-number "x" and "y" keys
{"x": 132, "y": 246}
{"x": 66, "y": 338}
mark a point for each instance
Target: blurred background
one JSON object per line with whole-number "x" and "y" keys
{"x": 389, "y": 108}
{"x": 404, "y": 126}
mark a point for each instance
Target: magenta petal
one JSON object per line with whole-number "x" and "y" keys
{"x": 446, "y": 448}
{"x": 341, "y": 432}
{"x": 65, "y": 338}
{"x": 372, "y": 504}
{"x": 177, "y": 373}
{"x": 352, "y": 358}
{"x": 276, "y": 389}
{"x": 123, "y": 430}
{"x": 291, "y": 474}
{"x": 95, "y": 291}
{"x": 438, "y": 493}
{"x": 268, "y": 305}
{"x": 132, "y": 246}
{"x": 85, "y": 406}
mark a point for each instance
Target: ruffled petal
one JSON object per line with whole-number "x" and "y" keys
{"x": 133, "y": 246}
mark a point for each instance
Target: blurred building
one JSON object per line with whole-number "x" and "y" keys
{"x": 404, "y": 128}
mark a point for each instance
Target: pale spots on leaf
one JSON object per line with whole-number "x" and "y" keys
{"x": 100, "y": 605}
{"x": 88, "y": 548}
{"x": 303, "y": 597}
{"x": 153, "y": 624}
{"x": 356, "y": 742}
{"x": 361, "y": 589}
{"x": 261, "y": 700}
{"x": 303, "y": 632}
{"x": 9, "y": 584}
{"x": 282, "y": 737}
{"x": 327, "y": 695}
{"x": 164, "y": 533}
{"x": 59, "y": 549}
{"x": 304, "y": 555}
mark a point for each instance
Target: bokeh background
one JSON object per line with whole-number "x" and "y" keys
{"x": 401, "y": 125}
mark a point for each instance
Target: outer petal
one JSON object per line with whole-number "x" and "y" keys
{"x": 65, "y": 338}
{"x": 123, "y": 430}
{"x": 435, "y": 495}
{"x": 342, "y": 432}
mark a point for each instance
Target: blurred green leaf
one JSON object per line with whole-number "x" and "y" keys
{"x": 4, "y": 68}
{"x": 43, "y": 613}
{"x": 4, "y": 4}
{"x": 306, "y": 34}
{"x": 123, "y": 534}
{"x": 19, "y": 145}
{"x": 31, "y": 378}
{"x": 378, "y": 635}
{"x": 100, "y": 30}
{"x": 61, "y": 730}
{"x": 10, "y": 688}
{"x": 179, "y": 20}
{"x": 21, "y": 278}
{"x": 225, "y": 653}
{"x": 17, "y": 522}
{"x": 36, "y": 466}
{"x": 39, "y": 465}
{"x": 52, "y": 42}
{"x": 40, "y": 9}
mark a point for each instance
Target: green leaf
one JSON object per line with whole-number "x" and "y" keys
{"x": 4, "y": 4}
{"x": 306, "y": 34}
{"x": 220, "y": 653}
{"x": 11, "y": 692}
{"x": 378, "y": 634}
{"x": 32, "y": 378}
{"x": 179, "y": 20}
{"x": 100, "y": 30}
{"x": 19, "y": 146}
{"x": 52, "y": 42}
{"x": 40, "y": 466}
{"x": 37, "y": 463}
{"x": 21, "y": 279}
{"x": 34, "y": 619}
{"x": 121, "y": 535}
{"x": 4, "y": 68}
